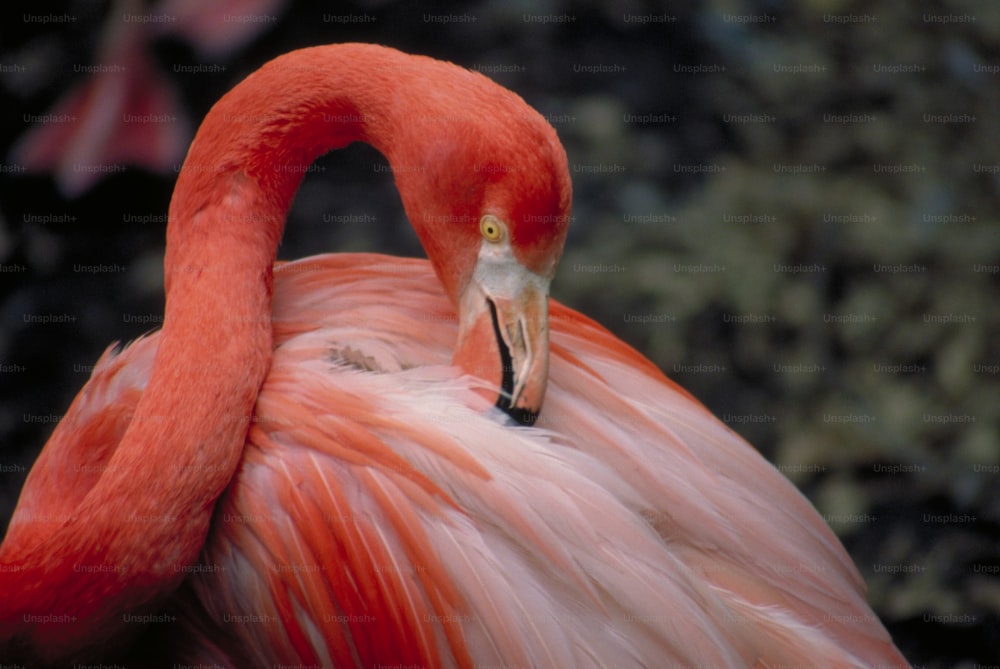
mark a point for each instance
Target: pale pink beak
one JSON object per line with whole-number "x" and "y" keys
{"x": 504, "y": 340}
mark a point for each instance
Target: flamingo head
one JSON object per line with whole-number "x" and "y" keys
{"x": 491, "y": 205}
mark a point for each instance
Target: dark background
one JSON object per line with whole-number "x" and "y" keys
{"x": 775, "y": 297}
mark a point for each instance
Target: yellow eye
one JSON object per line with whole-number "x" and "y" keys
{"x": 492, "y": 228}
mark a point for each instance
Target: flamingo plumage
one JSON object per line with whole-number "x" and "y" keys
{"x": 323, "y": 465}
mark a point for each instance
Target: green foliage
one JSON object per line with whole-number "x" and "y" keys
{"x": 873, "y": 268}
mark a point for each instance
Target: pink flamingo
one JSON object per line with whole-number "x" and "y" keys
{"x": 305, "y": 466}
{"x": 127, "y": 111}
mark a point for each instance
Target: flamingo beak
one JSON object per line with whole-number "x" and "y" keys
{"x": 504, "y": 336}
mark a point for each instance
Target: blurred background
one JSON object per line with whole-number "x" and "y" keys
{"x": 792, "y": 208}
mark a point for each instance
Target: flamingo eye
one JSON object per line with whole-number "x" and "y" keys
{"x": 492, "y": 228}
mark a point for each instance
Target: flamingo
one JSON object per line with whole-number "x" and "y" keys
{"x": 359, "y": 460}
{"x": 127, "y": 111}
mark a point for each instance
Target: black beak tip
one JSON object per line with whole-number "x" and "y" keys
{"x": 526, "y": 417}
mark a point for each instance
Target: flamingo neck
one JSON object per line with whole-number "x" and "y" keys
{"x": 186, "y": 436}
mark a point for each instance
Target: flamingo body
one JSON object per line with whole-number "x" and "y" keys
{"x": 382, "y": 513}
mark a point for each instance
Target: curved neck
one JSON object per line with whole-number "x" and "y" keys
{"x": 258, "y": 140}
{"x": 187, "y": 433}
